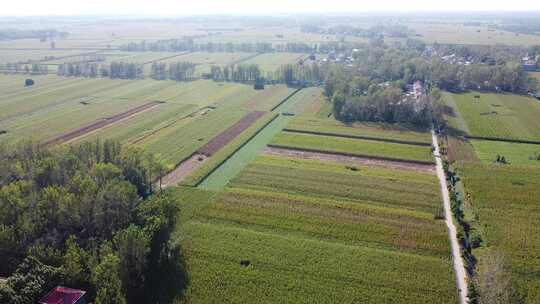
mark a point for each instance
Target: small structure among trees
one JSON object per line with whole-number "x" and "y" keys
{"x": 64, "y": 295}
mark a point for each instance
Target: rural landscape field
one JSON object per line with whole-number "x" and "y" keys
{"x": 224, "y": 156}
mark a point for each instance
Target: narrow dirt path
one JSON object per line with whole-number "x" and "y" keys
{"x": 459, "y": 268}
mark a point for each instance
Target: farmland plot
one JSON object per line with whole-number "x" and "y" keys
{"x": 498, "y": 115}
{"x": 514, "y": 153}
{"x": 366, "y": 130}
{"x": 354, "y": 147}
{"x": 378, "y": 242}
{"x": 505, "y": 200}
{"x": 270, "y": 62}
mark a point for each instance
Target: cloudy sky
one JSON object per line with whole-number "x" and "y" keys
{"x": 260, "y": 7}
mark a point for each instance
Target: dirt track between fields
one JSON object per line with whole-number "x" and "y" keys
{"x": 102, "y": 123}
{"x": 223, "y": 138}
{"x": 349, "y": 159}
{"x": 183, "y": 170}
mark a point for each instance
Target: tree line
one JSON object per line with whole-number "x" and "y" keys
{"x": 121, "y": 70}
{"x": 179, "y": 71}
{"x": 86, "y": 217}
{"x": 189, "y": 45}
{"x": 30, "y": 69}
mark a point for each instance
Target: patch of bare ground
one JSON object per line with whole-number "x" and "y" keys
{"x": 349, "y": 159}
{"x": 102, "y": 123}
{"x": 183, "y": 170}
{"x": 231, "y": 133}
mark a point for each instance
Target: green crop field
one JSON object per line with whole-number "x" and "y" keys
{"x": 497, "y": 115}
{"x": 514, "y": 153}
{"x": 505, "y": 200}
{"x": 368, "y": 234}
{"x": 358, "y": 147}
{"x": 271, "y": 62}
{"x": 367, "y": 130}
{"x": 56, "y": 105}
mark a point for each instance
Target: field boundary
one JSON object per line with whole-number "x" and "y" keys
{"x": 285, "y": 99}
{"x": 99, "y": 124}
{"x": 509, "y": 140}
{"x": 351, "y": 154}
{"x": 204, "y": 177}
{"x": 395, "y": 141}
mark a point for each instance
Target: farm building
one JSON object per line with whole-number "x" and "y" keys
{"x": 64, "y": 295}
{"x": 530, "y": 64}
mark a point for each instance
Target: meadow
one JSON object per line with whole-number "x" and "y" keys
{"x": 514, "y": 153}
{"x": 505, "y": 202}
{"x": 354, "y": 147}
{"x": 368, "y": 234}
{"x": 503, "y": 116}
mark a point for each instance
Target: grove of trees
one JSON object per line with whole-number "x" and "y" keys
{"x": 86, "y": 217}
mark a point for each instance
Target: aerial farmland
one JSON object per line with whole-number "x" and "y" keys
{"x": 281, "y": 159}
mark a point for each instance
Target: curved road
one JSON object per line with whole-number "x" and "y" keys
{"x": 459, "y": 268}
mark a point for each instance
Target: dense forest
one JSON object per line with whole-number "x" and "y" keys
{"x": 87, "y": 217}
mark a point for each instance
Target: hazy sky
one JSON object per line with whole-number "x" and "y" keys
{"x": 264, "y": 7}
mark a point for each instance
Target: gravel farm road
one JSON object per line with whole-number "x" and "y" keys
{"x": 459, "y": 268}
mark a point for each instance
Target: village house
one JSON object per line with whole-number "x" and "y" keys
{"x": 64, "y": 295}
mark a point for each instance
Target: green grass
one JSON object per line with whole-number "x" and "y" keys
{"x": 505, "y": 200}
{"x": 358, "y": 147}
{"x": 496, "y": 115}
{"x": 358, "y": 246}
{"x": 514, "y": 153}
{"x": 368, "y": 130}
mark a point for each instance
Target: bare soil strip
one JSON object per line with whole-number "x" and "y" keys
{"x": 183, "y": 170}
{"x": 99, "y": 124}
{"x": 348, "y": 159}
{"x": 228, "y": 135}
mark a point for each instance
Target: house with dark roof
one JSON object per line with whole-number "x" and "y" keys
{"x": 64, "y": 295}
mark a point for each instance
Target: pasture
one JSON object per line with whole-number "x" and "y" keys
{"x": 503, "y": 116}
{"x": 514, "y": 153}
{"x": 505, "y": 201}
{"x": 285, "y": 227}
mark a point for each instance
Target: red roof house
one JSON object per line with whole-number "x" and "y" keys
{"x": 64, "y": 295}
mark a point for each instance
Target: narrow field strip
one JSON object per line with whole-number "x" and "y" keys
{"x": 353, "y": 147}
{"x": 331, "y": 157}
{"x": 396, "y": 141}
{"x": 99, "y": 124}
{"x": 228, "y": 135}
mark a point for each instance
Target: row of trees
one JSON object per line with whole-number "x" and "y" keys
{"x": 179, "y": 71}
{"x": 122, "y": 70}
{"x": 84, "y": 217}
{"x": 189, "y": 45}
{"x": 18, "y": 68}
